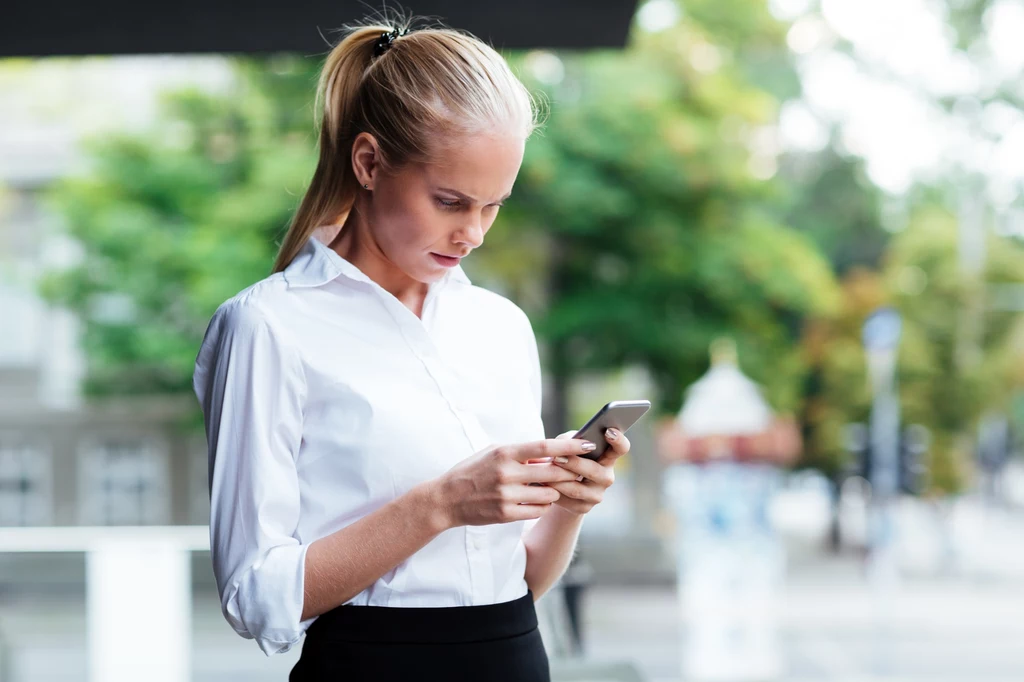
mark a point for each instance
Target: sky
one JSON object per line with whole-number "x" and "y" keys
{"x": 882, "y": 94}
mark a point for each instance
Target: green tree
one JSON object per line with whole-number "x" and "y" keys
{"x": 175, "y": 221}
{"x": 830, "y": 200}
{"x": 921, "y": 275}
{"x": 656, "y": 234}
{"x": 941, "y": 386}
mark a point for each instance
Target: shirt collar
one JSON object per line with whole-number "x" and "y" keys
{"x": 316, "y": 264}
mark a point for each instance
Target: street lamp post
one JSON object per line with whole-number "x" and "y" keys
{"x": 881, "y": 335}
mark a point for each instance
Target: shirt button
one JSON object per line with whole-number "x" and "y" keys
{"x": 475, "y": 543}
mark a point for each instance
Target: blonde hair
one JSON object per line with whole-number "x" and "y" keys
{"x": 430, "y": 84}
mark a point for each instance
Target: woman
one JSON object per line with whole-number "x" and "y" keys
{"x": 379, "y": 476}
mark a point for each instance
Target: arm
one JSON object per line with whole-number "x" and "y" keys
{"x": 550, "y": 540}
{"x": 251, "y": 387}
{"x": 341, "y": 565}
{"x": 550, "y": 544}
{"x": 474, "y": 492}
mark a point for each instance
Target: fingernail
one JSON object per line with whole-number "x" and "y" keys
{"x": 562, "y": 460}
{"x": 612, "y": 434}
{"x": 589, "y": 447}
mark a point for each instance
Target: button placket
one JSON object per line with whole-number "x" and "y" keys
{"x": 481, "y": 572}
{"x": 418, "y": 339}
{"x": 416, "y": 336}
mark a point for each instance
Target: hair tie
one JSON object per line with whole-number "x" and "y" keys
{"x": 386, "y": 39}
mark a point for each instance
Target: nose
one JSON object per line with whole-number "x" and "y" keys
{"x": 472, "y": 235}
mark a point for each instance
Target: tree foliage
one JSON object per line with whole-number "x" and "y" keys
{"x": 176, "y": 220}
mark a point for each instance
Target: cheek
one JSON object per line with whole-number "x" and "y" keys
{"x": 410, "y": 227}
{"x": 489, "y": 218}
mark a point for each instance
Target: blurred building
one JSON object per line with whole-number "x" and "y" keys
{"x": 66, "y": 461}
{"x": 63, "y": 460}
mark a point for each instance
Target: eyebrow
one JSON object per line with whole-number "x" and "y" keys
{"x": 466, "y": 197}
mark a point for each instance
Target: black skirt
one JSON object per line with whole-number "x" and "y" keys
{"x": 494, "y": 642}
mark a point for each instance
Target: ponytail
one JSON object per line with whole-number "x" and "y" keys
{"x": 332, "y": 190}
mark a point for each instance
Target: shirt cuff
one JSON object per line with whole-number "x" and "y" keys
{"x": 266, "y": 601}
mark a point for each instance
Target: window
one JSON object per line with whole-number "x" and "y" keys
{"x": 124, "y": 482}
{"x": 26, "y": 497}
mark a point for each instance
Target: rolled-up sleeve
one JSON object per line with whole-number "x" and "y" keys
{"x": 251, "y": 387}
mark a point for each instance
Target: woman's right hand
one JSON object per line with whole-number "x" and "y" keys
{"x": 493, "y": 486}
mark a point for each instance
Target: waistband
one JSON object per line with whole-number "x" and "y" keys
{"x": 426, "y": 624}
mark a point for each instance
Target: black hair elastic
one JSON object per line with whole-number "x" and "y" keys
{"x": 386, "y": 39}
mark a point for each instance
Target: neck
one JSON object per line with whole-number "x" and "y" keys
{"x": 355, "y": 243}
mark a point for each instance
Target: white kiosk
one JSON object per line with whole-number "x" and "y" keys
{"x": 723, "y": 452}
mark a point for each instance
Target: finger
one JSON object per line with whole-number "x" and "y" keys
{"x": 574, "y": 506}
{"x": 546, "y": 472}
{"x": 619, "y": 446}
{"x": 535, "y": 495}
{"x": 582, "y": 492}
{"x": 525, "y": 512}
{"x": 561, "y": 436}
{"x": 587, "y": 468}
{"x": 542, "y": 449}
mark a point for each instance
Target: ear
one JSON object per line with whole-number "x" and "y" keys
{"x": 365, "y": 158}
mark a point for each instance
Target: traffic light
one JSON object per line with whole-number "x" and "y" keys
{"x": 913, "y": 466}
{"x": 912, "y": 474}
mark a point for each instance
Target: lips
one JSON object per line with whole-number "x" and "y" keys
{"x": 447, "y": 261}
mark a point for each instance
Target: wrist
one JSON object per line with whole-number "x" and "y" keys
{"x": 568, "y": 514}
{"x": 434, "y": 505}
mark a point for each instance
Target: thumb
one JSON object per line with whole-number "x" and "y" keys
{"x": 567, "y": 434}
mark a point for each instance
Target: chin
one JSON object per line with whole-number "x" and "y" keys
{"x": 431, "y": 274}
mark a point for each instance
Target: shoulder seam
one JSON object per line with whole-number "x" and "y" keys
{"x": 265, "y": 317}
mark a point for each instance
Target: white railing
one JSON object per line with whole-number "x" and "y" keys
{"x": 139, "y": 600}
{"x": 138, "y": 595}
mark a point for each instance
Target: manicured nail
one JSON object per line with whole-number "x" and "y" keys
{"x": 589, "y": 447}
{"x": 612, "y": 434}
{"x": 562, "y": 460}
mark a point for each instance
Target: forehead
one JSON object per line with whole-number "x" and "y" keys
{"x": 483, "y": 166}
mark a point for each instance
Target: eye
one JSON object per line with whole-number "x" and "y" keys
{"x": 448, "y": 205}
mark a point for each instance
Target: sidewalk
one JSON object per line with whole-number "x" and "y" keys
{"x": 833, "y": 629}
{"x": 837, "y": 630}
{"x": 964, "y": 623}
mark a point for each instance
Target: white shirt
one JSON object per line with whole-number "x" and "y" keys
{"x": 325, "y": 398}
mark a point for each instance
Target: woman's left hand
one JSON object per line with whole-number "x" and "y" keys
{"x": 579, "y": 497}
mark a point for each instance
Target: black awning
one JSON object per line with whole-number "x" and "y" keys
{"x": 71, "y": 27}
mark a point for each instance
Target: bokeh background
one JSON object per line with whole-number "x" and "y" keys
{"x": 757, "y": 177}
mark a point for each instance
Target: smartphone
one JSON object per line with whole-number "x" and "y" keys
{"x": 620, "y": 414}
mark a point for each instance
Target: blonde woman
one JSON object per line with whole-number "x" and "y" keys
{"x": 379, "y": 477}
